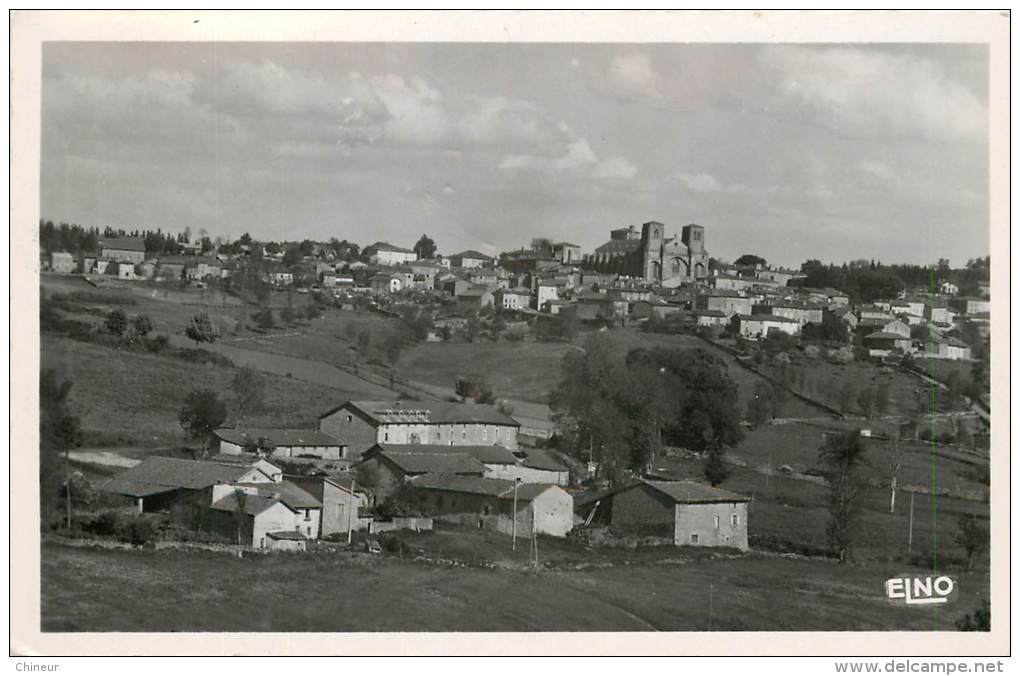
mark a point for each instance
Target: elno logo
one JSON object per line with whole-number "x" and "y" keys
{"x": 920, "y": 590}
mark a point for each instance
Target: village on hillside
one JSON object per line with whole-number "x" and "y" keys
{"x": 766, "y": 371}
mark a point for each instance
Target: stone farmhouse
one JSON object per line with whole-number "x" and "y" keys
{"x": 489, "y": 503}
{"x": 363, "y": 424}
{"x": 689, "y": 513}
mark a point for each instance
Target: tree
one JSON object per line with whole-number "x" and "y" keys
{"x": 841, "y": 456}
{"x": 972, "y": 536}
{"x": 750, "y": 259}
{"x": 288, "y": 315}
{"x": 116, "y": 322}
{"x": 143, "y": 325}
{"x": 249, "y": 391}
{"x": 59, "y": 432}
{"x": 312, "y": 311}
{"x": 425, "y": 247}
{"x": 542, "y": 246}
{"x": 264, "y": 318}
{"x": 980, "y": 620}
{"x": 715, "y": 469}
{"x": 759, "y": 407}
{"x": 292, "y": 256}
{"x": 201, "y": 414}
{"x": 474, "y": 387}
{"x": 832, "y": 329}
{"x": 621, "y": 409}
{"x": 201, "y": 329}
{"x": 881, "y": 394}
{"x": 866, "y": 402}
{"x": 260, "y": 446}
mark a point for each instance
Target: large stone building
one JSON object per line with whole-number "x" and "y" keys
{"x": 653, "y": 257}
{"x": 362, "y": 424}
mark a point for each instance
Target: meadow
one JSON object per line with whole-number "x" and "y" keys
{"x": 91, "y": 589}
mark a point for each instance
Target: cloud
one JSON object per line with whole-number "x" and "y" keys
{"x": 615, "y": 167}
{"x": 877, "y": 93}
{"x": 878, "y": 169}
{"x": 633, "y": 74}
{"x": 575, "y": 158}
{"x": 700, "y": 182}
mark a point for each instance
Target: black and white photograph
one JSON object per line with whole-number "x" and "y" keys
{"x": 450, "y": 336}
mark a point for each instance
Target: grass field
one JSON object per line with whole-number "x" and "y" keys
{"x": 86, "y": 589}
{"x": 838, "y": 386}
{"x": 125, "y": 397}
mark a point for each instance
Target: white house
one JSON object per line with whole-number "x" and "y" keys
{"x": 759, "y": 326}
{"x": 384, "y": 253}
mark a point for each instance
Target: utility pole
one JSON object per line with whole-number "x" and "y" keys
{"x": 350, "y": 512}
{"x": 534, "y": 536}
{"x": 513, "y": 531}
{"x": 67, "y": 482}
{"x": 910, "y": 530}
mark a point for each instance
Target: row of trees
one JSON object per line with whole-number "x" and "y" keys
{"x": 621, "y": 410}
{"x": 77, "y": 238}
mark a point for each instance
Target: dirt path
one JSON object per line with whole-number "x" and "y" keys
{"x": 102, "y": 457}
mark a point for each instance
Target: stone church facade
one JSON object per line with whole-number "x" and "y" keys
{"x": 653, "y": 257}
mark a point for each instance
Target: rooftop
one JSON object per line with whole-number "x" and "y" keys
{"x": 471, "y": 253}
{"x": 124, "y": 243}
{"x": 278, "y": 437}
{"x": 443, "y": 412}
{"x": 386, "y": 246}
{"x": 158, "y": 475}
{"x": 767, "y": 318}
{"x": 493, "y": 455}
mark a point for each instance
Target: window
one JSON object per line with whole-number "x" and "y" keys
{"x": 350, "y": 418}
{"x": 694, "y": 538}
{"x": 308, "y": 515}
{"x": 734, "y": 520}
{"x": 386, "y": 436}
{"x": 485, "y": 433}
{"x": 463, "y": 434}
{"x": 262, "y": 543}
{"x": 717, "y": 522}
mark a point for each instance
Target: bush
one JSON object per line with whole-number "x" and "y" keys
{"x": 108, "y": 522}
{"x": 138, "y": 530}
{"x": 156, "y": 344}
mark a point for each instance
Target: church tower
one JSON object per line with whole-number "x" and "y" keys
{"x": 651, "y": 251}
{"x": 694, "y": 237}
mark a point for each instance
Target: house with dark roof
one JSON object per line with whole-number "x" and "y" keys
{"x": 157, "y": 482}
{"x": 123, "y": 249}
{"x": 727, "y": 301}
{"x": 760, "y": 326}
{"x": 341, "y": 505}
{"x": 279, "y": 443}
{"x": 540, "y": 466}
{"x": 385, "y": 468}
{"x": 362, "y": 424}
{"x": 499, "y": 504}
{"x": 567, "y": 253}
{"x": 687, "y": 512}
{"x": 384, "y": 253}
{"x": 470, "y": 259}
{"x": 474, "y": 298}
{"x": 260, "y": 516}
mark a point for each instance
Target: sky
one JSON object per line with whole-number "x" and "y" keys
{"x": 834, "y": 152}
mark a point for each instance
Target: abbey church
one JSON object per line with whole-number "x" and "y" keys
{"x": 653, "y": 257}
